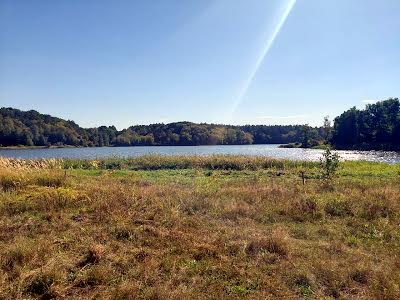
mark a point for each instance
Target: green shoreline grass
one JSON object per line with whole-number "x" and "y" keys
{"x": 216, "y": 227}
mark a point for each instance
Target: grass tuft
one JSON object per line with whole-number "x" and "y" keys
{"x": 275, "y": 243}
{"x": 94, "y": 255}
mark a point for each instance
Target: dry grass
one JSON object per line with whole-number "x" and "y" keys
{"x": 29, "y": 164}
{"x": 192, "y": 234}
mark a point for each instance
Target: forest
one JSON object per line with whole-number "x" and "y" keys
{"x": 376, "y": 127}
{"x": 30, "y": 128}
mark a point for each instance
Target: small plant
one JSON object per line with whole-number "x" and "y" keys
{"x": 360, "y": 275}
{"x": 329, "y": 163}
{"x": 40, "y": 286}
{"x": 242, "y": 289}
{"x": 339, "y": 208}
{"x": 123, "y": 233}
{"x": 353, "y": 241}
{"x": 303, "y": 283}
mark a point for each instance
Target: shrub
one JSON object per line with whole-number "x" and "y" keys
{"x": 329, "y": 163}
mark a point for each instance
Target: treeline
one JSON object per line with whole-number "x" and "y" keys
{"x": 377, "y": 127}
{"x": 30, "y": 128}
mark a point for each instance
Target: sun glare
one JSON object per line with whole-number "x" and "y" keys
{"x": 281, "y": 17}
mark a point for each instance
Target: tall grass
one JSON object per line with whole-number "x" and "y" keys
{"x": 28, "y": 164}
{"x": 212, "y": 162}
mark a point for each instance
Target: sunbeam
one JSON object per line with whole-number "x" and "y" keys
{"x": 253, "y": 71}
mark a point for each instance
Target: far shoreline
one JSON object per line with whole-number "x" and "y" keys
{"x": 115, "y": 146}
{"x": 281, "y": 146}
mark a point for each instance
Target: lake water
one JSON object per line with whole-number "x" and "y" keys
{"x": 261, "y": 150}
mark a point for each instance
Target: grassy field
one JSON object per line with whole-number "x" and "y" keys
{"x": 217, "y": 227}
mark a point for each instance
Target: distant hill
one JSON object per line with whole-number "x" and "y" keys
{"x": 30, "y": 128}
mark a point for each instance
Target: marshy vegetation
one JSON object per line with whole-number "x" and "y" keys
{"x": 215, "y": 227}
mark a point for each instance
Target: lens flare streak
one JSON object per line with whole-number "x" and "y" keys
{"x": 269, "y": 42}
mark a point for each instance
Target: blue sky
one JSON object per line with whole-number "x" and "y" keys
{"x": 120, "y": 62}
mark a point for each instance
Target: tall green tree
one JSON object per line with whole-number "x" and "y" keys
{"x": 375, "y": 127}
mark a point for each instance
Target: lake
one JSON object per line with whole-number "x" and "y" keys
{"x": 257, "y": 150}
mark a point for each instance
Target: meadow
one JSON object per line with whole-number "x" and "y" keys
{"x": 192, "y": 227}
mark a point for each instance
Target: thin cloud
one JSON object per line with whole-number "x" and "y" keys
{"x": 281, "y": 117}
{"x": 164, "y": 120}
{"x": 274, "y": 119}
{"x": 370, "y": 101}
